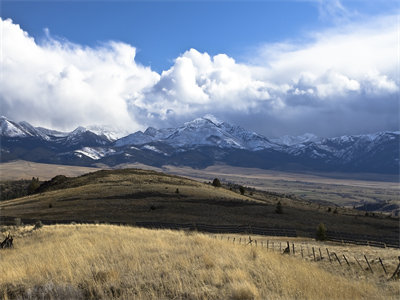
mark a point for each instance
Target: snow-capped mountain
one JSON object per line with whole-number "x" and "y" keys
{"x": 205, "y": 131}
{"x": 19, "y": 130}
{"x": 200, "y": 143}
{"x": 289, "y": 140}
{"x": 101, "y": 135}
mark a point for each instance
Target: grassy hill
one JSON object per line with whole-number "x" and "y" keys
{"x": 133, "y": 195}
{"x": 106, "y": 261}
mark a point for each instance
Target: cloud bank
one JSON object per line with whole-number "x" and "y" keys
{"x": 341, "y": 81}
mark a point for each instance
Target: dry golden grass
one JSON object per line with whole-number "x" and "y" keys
{"x": 353, "y": 253}
{"x": 103, "y": 261}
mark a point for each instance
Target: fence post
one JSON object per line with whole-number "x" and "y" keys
{"x": 280, "y": 246}
{"x": 358, "y": 263}
{"x": 301, "y": 250}
{"x": 267, "y": 245}
{"x": 397, "y": 271}
{"x": 294, "y": 253}
{"x": 327, "y": 251}
{"x": 320, "y": 254}
{"x": 384, "y": 269}
{"x": 337, "y": 258}
{"x": 346, "y": 260}
{"x": 256, "y": 242}
{"x": 369, "y": 266}
{"x": 273, "y": 248}
{"x": 234, "y": 240}
{"x": 313, "y": 252}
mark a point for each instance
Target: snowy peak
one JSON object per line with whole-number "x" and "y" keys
{"x": 213, "y": 119}
{"x": 205, "y": 131}
{"x": 22, "y": 129}
{"x": 111, "y": 133}
{"x": 11, "y": 129}
{"x": 289, "y": 140}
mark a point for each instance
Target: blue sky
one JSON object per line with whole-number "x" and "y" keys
{"x": 162, "y": 30}
{"x": 206, "y": 49}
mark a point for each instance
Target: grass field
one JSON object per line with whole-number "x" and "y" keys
{"x": 132, "y": 195}
{"x": 342, "y": 189}
{"x": 104, "y": 262}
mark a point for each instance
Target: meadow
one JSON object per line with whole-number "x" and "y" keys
{"x": 131, "y": 196}
{"x": 120, "y": 262}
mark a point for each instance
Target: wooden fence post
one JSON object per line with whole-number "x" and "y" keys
{"x": 234, "y": 240}
{"x": 396, "y": 272}
{"x": 327, "y": 251}
{"x": 294, "y": 253}
{"x": 358, "y": 263}
{"x": 383, "y": 267}
{"x": 320, "y": 254}
{"x": 308, "y": 251}
{"x": 334, "y": 253}
{"x": 346, "y": 260}
{"x": 301, "y": 250}
{"x": 313, "y": 252}
{"x": 273, "y": 248}
{"x": 369, "y": 266}
{"x": 280, "y": 246}
{"x": 267, "y": 245}
{"x": 256, "y": 242}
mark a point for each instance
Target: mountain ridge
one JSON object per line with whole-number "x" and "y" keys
{"x": 200, "y": 143}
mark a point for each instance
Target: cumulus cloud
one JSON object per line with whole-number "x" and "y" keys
{"x": 340, "y": 81}
{"x": 62, "y": 85}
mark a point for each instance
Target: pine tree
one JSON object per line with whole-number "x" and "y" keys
{"x": 33, "y": 185}
{"x": 216, "y": 182}
{"x": 321, "y": 232}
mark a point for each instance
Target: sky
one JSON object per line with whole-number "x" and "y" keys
{"x": 275, "y": 67}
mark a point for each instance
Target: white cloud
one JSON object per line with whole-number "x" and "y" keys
{"x": 343, "y": 80}
{"x": 60, "y": 84}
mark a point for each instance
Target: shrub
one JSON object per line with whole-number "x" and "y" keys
{"x": 241, "y": 189}
{"x": 321, "y": 232}
{"x": 38, "y": 225}
{"x": 279, "y": 209}
{"x": 33, "y": 185}
{"x": 216, "y": 182}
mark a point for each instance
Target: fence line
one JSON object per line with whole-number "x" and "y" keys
{"x": 330, "y": 255}
{"x": 340, "y": 237}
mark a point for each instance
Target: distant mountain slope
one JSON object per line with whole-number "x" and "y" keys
{"x": 200, "y": 143}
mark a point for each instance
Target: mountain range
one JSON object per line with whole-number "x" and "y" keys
{"x": 200, "y": 143}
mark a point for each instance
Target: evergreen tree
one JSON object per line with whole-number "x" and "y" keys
{"x": 241, "y": 189}
{"x": 216, "y": 182}
{"x": 33, "y": 185}
{"x": 321, "y": 232}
